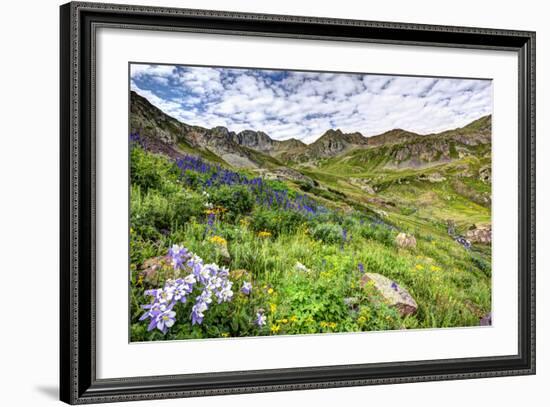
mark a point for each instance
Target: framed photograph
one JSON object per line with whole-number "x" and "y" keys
{"x": 255, "y": 203}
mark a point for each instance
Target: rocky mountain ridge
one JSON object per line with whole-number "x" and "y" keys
{"x": 256, "y": 149}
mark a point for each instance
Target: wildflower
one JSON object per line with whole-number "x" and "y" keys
{"x": 225, "y": 334}
{"x": 212, "y": 280}
{"x": 179, "y": 290}
{"x": 152, "y": 310}
{"x": 270, "y": 290}
{"x": 332, "y": 325}
{"x": 264, "y": 234}
{"x": 220, "y": 241}
{"x": 419, "y": 267}
{"x": 435, "y": 268}
{"x": 284, "y": 321}
{"x": 293, "y": 318}
{"x": 273, "y": 307}
{"x": 361, "y": 268}
{"x": 275, "y": 328}
{"x": 260, "y": 319}
{"x": 178, "y": 255}
{"x": 246, "y": 288}
{"x": 165, "y": 320}
{"x": 197, "y": 312}
{"x": 361, "y": 320}
{"x": 394, "y": 286}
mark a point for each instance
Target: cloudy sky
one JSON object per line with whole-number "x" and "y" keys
{"x": 303, "y": 105}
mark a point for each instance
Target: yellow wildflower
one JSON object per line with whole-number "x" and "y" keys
{"x": 332, "y": 325}
{"x": 270, "y": 291}
{"x": 323, "y": 324}
{"x": 218, "y": 240}
{"x": 264, "y": 234}
{"x": 283, "y": 321}
{"x": 140, "y": 280}
{"x": 293, "y": 318}
{"x": 275, "y": 328}
{"x": 435, "y": 268}
{"x": 216, "y": 210}
{"x": 361, "y": 319}
{"x": 419, "y": 267}
{"x": 273, "y": 307}
{"x": 225, "y": 334}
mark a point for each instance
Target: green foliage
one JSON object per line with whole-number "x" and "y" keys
{"x": 276, "y": 221}
{"x": 236, "y": 199}
{"x": 329, "y": 233}
{"x": 379, "y": 233}
{"x": 304, "y": 277}
{"x": 154, "y": 210}
{"x": 150, "y": 170}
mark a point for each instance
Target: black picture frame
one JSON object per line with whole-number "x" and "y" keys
{"x": 78, "y": 382}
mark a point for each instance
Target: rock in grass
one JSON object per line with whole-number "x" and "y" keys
{"x": 479, "y": 234}
{"x": 224, "y": 254}
{"x": 405, "y": 241}
{"x": 395, "y": 295}
{"x": 151, "y": 267}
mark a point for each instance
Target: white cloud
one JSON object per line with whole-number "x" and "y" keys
{"x": 304, "y": 105}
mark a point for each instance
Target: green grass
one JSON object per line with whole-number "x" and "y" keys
{"x": 451, "y": 285}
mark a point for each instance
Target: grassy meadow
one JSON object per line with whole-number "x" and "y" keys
{"x": 220, "y": 252}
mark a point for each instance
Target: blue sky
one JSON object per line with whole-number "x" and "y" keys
{"x": 303, "y": 105}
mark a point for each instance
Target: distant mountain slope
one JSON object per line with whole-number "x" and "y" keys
{"x": 255, "y": 149}
{"x": 170, "y": 136}
{"x": 408, "y": 150}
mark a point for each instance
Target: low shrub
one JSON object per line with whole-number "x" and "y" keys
{"x": 328, "y": 233}
{"x": 378, "y": 233}
{"x": 276, "y": 221}
{"x": 235, "y": 199}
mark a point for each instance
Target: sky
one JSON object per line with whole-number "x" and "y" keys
{"x": 303, "y": 105}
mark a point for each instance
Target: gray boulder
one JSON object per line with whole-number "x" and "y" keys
{"x": 394, "y": 295}
{"x": 405, "y": 241}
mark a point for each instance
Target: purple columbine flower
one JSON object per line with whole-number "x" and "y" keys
{"x": 197, "y": 313}
{"x": 246, "y": 288}
{"x": 178, "y": 255}
{"x": 154, "y": 311}
{"x": 179, "y": 290}
{"x": 209, "y": 278}
{"x": 361, "y": 268}
{"x": 165, "y": 320}
{"x": 260, "y": 319}
{"x": 394, "y": 285}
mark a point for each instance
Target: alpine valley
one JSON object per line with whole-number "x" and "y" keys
{"x": 389, "y": 231}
